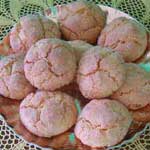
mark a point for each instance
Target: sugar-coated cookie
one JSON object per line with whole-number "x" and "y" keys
{"x": 103, "y": 123}
{"x": 30, "y": 29}
{"x": 141, "y": 115}
{"x": 101, "y": 72}
{"x": 126, "y": 36}
{"x": 81, "y": 20}
{"x": 135, "y": 92}
{"x": 47, "y": 114}
{"x": 13, "y": 83}
{"x": 50, "y": 64}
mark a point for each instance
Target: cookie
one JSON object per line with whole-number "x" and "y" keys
{"x": 47, "y": 114}
{"x": 81, "y": 20}
{"x": 50, "y": 64}
{"x": 101, "y": 72}
{"x": 135, "y": 92}
{"x": 13, "y": 83}
{"x": 103, "y": 123}
{"x": 141, "y": 115}
{"x": 126, "y": 36}
{"x": 30, "y": 29}
{"x": 79, "y": 47}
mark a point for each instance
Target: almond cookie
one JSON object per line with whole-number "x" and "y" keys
{"x": 103, "y": 123}
{"x": 13, "y": 83}
{"x": 101, "y": 72}
{"x": 126, "y": 36}
{"x": 47, "y": 114}
{"x": 79, "y": 47}
{"x": 30, "y": 29}
{"x": 50, "y": 64}
{"x": 81, "y": 20}
{"x": 135, "y": 92}
{"x": 141, "y": 115}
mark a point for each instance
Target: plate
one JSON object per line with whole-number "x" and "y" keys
{"x": 26, "y": 140}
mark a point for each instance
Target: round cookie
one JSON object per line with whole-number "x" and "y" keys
{"x": 141, "y": 115}
{"x": 126, "y": 36}
{"x": 135, "y": 92}
{"x": 13, "y": 83}
{"x": 47, "y": 114}
{"x": 101, "y": 72}
{"x": 50, "y": 64}
{"x": 103, "y": 123}
{"x": 30, "y": 29}
{"x": 79, "y": 48}
{"x": 81, "y": 20}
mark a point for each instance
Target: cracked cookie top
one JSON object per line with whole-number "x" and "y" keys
{"x": 50, "y": 64}
{"x": 79, "y": 47}
{"x": 126, "y": 36}
{"x": 81, "y": 20}
{"x": 103, "y": 122}
{"x": 30, "y": 29}
{"x": 135, "y": 92}
{"x": 47, "y": 114}
{"x": 13, "y": 83}
{"x": 101, "y": 72}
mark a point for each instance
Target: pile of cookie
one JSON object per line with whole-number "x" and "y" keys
{"x": 80, "y": 47}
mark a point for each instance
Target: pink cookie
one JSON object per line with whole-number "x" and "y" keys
{"x": 50, "y": 64}
{"x": 81, "y": 20}
{"x": 101, "y": 72}
{"x": 141, "y": 115}
{"x": 30, "y": 29}
{"x": 126, "y": 36}
{"x": 47, "y": 114}
{"x": 79, "y": 48}
{"x": 135, "y": 92}
{"x": 103, "y": 123}
{"x": 13, "y": 83}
